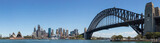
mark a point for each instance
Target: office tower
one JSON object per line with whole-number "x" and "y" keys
{"x": 57, "y": 31}
{"x": 52, "y": 33}
{"x": 60, "y": 32}
{"x": 39, "y": 32}
{"x": 34, "y": 35}
{"x": 66, "y": 34}
{"x": 76, "y": 32}
{"x": 34, "y": 29}
{"x": 39, "y": 28}
{"x": 49, "y": 32}
{"x": 85, "y": 29}
{"x": 43, "y": 32}
{"x": 72, "y": 33}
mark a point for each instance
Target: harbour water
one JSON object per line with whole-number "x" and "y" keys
{"x": 65, "y": 41}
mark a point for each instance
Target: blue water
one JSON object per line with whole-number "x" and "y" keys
{"x": 64, "y": 41}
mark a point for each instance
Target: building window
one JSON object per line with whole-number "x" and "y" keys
{"x": 148, "y": 15}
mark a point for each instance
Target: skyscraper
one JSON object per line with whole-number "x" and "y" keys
{"x": 34, "y": 29}
{"x": 49, "y": 32}
{"x": 34, "y": 35}
{"x": 57, "y": 31}
{"x": 39, "y": 32}
{"x": 85, "y": 29}
{"x": 76, "y": 32}
{"x": 39, "y": 28}
{"x": 52, "y": 33}
{"x": 64, "y": 32}
{"x": 60, "y": 32}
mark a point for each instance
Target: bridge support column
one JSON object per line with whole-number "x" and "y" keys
{"x": 87, "y": 36}
{"x": 149, "y": 21}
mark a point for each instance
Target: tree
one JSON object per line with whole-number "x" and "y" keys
{"x": 120, "y": 37}
{"x": 128, "y": 37}
{"x": 152, "y": 35}
{"x": 138, "y": 37}
{"x": 27, "y": 37}
{"x": 79, "y": 37}
{"x": 114, "y": 37}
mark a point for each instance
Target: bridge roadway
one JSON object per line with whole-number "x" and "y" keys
{"x": 126, "y": 23}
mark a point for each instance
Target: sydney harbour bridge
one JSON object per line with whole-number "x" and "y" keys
{"x": 117, "y": 17}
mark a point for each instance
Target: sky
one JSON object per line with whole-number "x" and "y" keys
{"x": 24, "y": 15}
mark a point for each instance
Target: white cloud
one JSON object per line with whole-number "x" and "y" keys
{"x": 125, "y": 34}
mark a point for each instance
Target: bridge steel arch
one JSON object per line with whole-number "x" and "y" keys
{"x": 123, "y": 14}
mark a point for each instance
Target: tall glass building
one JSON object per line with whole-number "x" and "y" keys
{"x": 49, "y": 32}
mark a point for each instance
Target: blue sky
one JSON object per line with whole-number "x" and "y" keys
{"x": 24, "y": 15}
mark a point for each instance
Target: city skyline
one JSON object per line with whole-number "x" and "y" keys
{"x": 25, "y": 15}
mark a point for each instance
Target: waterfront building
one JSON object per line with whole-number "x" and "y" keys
{"x": 60, "y": 32}
{"x": 34, "y": 35}
{"x": 19, "y": 36}
{"x": 66, "y": 34}
{"x": 52, "y": 32}
{"x": 63, "y": 32}
{"x": 85, "y": 29}
{"x": 39, "y": 33}
{"x": 57, "y": 31}
{"x": 13, "y": 35}
{"x": 74, "y": 33}
{"x": 34, "y": 29}
{"x": 49, "y": 32}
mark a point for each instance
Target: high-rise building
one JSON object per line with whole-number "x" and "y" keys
{"x": 72, "y": 33}
{"x": 34, "y": 29}
{"x": 39, "y": 32}
{"x": 60, "y": 32}
{"x": 64, "y": 32}
{"x": 52, "y": 33}
{"x": 39, "y": 28}
{"x": 85, "y": 30}
{"x": 49, "y": 32}
{"x": 34, "y": 36}
{"x": 76, "y": 32}
{"x": 57, "y": 31}
{"x": 43, "y": 32}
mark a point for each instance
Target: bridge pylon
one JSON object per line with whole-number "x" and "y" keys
{"x": 149, "y": 21}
